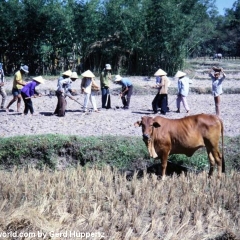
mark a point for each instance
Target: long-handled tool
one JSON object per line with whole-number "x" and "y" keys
{"x": 45, "y": 95}
{"x": 119, "y": 102}
{"x": 80, "y": 104}
{"x": 77, "y": 101}
{"x": 172, "y": 102}
{"x": 108, "y": 101}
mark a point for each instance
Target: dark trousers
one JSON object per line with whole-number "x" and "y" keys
{"x": 61, "y": 105}
{"x": 155, "y": 103}
{"x": 28, "y": 106}
{"x": 126, "y": 97}
{"x": 106, "y": 102}
{"x": 160, "y": 101}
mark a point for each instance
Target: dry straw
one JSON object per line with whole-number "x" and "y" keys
{"x": 94, "y": 200}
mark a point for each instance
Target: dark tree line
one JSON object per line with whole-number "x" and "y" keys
{"x": 135, "y": 36}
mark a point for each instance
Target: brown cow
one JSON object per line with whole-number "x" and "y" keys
{"x": 164, "y": 137}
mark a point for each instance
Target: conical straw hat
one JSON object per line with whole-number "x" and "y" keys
{"x": 88, "y": 74}
{"x": 74, "y": 75}
{"x": 180, "y": 74}
{"x": 67, "y": 73}
{"x": 39, "y": 79}
{"x": 160, "y": 72}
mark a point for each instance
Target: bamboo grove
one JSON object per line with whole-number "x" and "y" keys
{"x": 135, "y": 36}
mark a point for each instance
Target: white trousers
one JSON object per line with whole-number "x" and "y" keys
{"x": 90, "y": 96}
{"x": 182, "y": 99}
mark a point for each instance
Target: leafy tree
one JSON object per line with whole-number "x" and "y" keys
{"x": 134, "y": 36}
{"x": 10, "y": 17}
{"x": 170, "y": 24}
{"x": 231, "y": 30}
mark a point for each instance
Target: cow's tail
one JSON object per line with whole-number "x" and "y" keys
{"x": 223, "y": 161}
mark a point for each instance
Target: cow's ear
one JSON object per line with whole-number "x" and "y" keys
{"x": 156, "y": 125}
{"x": 138, "y": 124}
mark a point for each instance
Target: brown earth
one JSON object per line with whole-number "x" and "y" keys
{"x": 114, "y": 121}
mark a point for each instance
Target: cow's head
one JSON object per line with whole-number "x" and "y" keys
{"x": 148, "y": 124}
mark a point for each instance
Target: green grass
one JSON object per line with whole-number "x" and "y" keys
{"x": 43, "y": 150}
{"x": 59, "y": 151}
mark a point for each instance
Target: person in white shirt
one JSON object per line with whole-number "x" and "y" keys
{"x": 183, "y": 90}
{"x": 217, "y": 86}
{"x": 89, "y": 88}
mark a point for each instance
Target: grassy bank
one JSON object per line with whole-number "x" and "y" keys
{"x": 59, "y": 152}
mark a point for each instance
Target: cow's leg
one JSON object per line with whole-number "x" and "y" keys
{"x": 215, "y": 157}
{"x": 211, "y": 162}
{"x": 164, "y": 159}
{"x": 218, "y": 159}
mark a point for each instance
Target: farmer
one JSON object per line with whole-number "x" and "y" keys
{"x": 217, "y": 86}
{"x": 105, "y": 80}
{"x": 161, "y": 98}
{"x": 18, "y": 84}
{"x": 64, "y": 90}
{"x": 183, "y": 90}
{"x": 127, "y": 89}
{"x": 29, "y": 91}
{"x": 88, "y": 88}
{"x": 2, "y": 89}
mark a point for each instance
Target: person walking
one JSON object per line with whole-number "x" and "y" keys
{"x": 217, "y": 86}
{"x": 105, "y": 80}
{"x": 183, "y": 90}
{"x": 127, "y": 89}
{"x": 161, "y": 98}
{"x": 87, "y": 85}
{"x": 29, "y": 91}
{"x": 64, "y": 89}
{"x": 2, "y": 88}
{"x": 18, "y": 84}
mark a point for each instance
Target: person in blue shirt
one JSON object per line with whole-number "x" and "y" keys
{"x": 29, "y": 91}
{"x": 127, "y": 89}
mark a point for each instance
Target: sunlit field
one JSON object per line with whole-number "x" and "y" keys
{"x": 45, "y": 194}
{"x": 74, "y": 203}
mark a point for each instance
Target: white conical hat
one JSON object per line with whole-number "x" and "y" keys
{"x": 39, "y": 79}
{"x": 108, "y": 67}
{"x": 88, "y": 74}
{"x": 74, "y": 75}
{"x": 180, "y": 74}
{"x": 67, "y": 73}
{"x": 160, "y": 72}
{"x": 118, "y": 78}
